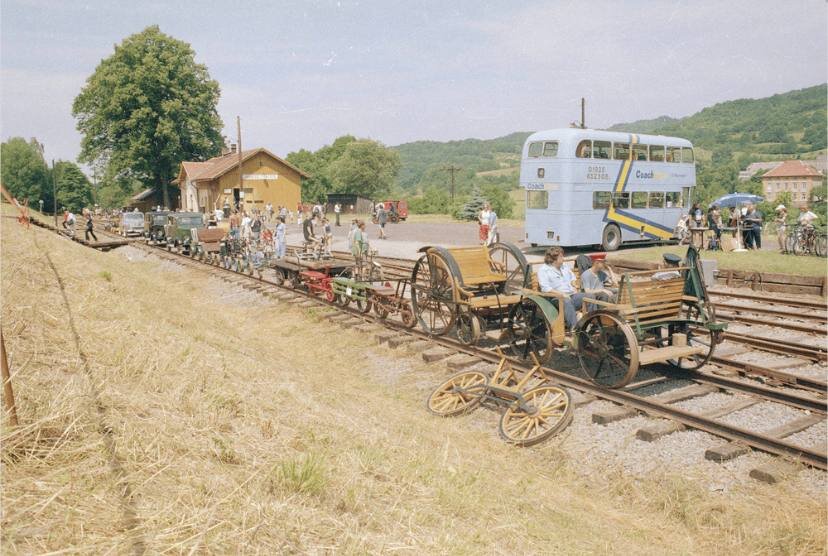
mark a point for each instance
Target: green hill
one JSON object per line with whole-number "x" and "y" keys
{"x": 728, "y": 136}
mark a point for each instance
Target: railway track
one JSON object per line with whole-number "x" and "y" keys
{"x": 813, "y": 408}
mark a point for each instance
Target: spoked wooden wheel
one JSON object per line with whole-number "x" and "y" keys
{"x": 432, "y": 294}
{"x": 607, "y": 349}
{"x": 528, "y": 332}
{"x": 459, "y": 394}
{"x": 380, "y": 310}
{"x": 330, "y": 296}
{"x": 541, "y": 412}
{"x": 343, "y": 300}
{"x": 510, "y": 261}
{"x": 469, "y": 328}
{"x": 363, "y": 305}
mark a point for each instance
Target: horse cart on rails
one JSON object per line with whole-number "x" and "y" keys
{"x": 658, "y": 316}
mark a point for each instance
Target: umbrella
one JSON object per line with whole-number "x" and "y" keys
{"x": 736, "y": 199}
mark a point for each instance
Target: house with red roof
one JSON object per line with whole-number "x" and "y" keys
{"x": 794, "y": 176}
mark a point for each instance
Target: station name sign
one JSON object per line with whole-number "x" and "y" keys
{"x": 259, "y": 177}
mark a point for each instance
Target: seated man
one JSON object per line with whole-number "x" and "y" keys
{"x": 594, "y": 284}
{"x": 670, "y": 261}
{"x": 554, "y": 276}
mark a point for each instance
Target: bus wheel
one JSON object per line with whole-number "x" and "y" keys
{"x": 611, "y": 239}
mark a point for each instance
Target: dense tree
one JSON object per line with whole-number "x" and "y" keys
{"x": 147, "y": 107}
{"x": 24, "y": 172}
{"x": 366, "y": 168}
{"x": 73, "y": 188}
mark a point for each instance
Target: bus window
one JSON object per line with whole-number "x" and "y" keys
{"x": 673, "y": 154}
{"x": 622, "y": 151}
{"x": 601, "y": 149}
{"x": 639, "y": 152}
{"x": 601, "y": 199}
{"x": 550, "y": 149}
{"x": 656, "y": 153}
{"x": 685, "y": 197}
{"x": 621, "y": 200}
{"x": 656, "y": 200}
{"x": 534, "y": 150}
{"x": 686, "y": 154}
{"x": 584, "y": 149}
{"x": 639, "y": 200}
{"x": 537, "y": 199}
{"x": 673, "y": 199}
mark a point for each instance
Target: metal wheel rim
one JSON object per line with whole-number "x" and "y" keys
{"x": 509, "y": 264}
{"x": 459, "y": 394}
{"x": 598, "y": 350}
{"x": 552, "y": 411}
{"x": 432, "y": 294}
{"x": 468, "y": 328}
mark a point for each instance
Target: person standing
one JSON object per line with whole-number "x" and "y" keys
{"x": 493, "y": 236}
{"x": 89, "y": 230}
{"x": 781, "y": 221}
{"x": 269, "y": 210}
{"x": 279, "y": 237}
{"x": 256, "y": 227}
{"x": 753, "y": 220}
{"x": 235, "y": 223}
{"x": 557, "y": 277}
{"x": 359, "y": 243}
{"x": 328, "y": 237}
{"x": 382, "y": 219}
{"x": 307, "y": 229}
{"x": 245, "y": 226}
{"x": 483, "y": 224}
{"x": 337, "y": 210}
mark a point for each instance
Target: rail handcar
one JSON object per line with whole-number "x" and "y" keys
{"x": 593, "y": 187}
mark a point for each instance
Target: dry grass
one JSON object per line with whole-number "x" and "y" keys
{"x": 214, "y": 420}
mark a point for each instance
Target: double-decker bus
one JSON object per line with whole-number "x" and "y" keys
{"x": 592, "y": 187}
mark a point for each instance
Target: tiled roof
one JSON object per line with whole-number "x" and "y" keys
{"x": 792, "y": 169}
{"x": 220, "y": 165}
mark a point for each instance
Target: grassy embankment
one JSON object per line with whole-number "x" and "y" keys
{"x": 753, "y": 261}
{"x": 208, "y": 419}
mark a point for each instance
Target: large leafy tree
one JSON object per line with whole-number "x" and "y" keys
{"x": 146, "y": 108}
{"x": 24, "y": 172}
{"x": 366, "y": 168}
{"x": 73, "y": 188}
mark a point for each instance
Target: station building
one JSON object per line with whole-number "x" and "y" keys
{"x": 266, "y": 178}
{"x": 794, "y": 176}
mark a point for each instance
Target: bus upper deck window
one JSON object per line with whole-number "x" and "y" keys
{"x": 584, "y": 149}
{"x": 656, "y": 153}
{"x": 622, "y": 151}
{"x": 686, "y": 154}
{"x": 535, "y": 149}
{"x": 673, "y": 154}
{"x": 601, "y": 149}
{"x": 639, "y": 152}
{"x": 550, "y": 149}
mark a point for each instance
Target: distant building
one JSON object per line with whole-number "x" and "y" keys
{"x": 794, "y": 176}
{"x": 266, "y": 178}
{"x": 820, "y": 164}
{"x": 351, "y": 204}
{"x": 153, "y": 197}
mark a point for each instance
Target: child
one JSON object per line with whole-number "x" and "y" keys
{"x": 328, "y": 240}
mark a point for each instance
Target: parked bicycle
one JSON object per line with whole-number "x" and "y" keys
{"x": 807, "y": 240}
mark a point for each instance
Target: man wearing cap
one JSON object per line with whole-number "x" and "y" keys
{"x": 672, "y": 262}
{"x": 781, "y": 221}
{"x": 594, "y": 283}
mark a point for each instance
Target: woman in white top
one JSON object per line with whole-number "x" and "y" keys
{"x": 483, "y": 222}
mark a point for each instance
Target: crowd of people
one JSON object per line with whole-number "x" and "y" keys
{"x": 744, "y": 223}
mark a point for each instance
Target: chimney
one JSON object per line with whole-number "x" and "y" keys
{"x": 232, "y": 148}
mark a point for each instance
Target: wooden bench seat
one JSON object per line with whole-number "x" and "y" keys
{"x": 475, "y": 266}
{"x": 487, "y": 301}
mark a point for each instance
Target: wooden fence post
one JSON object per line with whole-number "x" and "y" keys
{"x": 8, "y": 393}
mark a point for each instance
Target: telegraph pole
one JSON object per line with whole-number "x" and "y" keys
{"x": 238, "y": 132}
{"x": 54, "y": 192}
{"x": 452, "y": 169}
{"x": 583, "y": 111}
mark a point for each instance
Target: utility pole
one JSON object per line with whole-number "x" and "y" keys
{"x": 238, "y": 131}
{"x": 452, "y": 169}
{"x": 583, "y": 111}
{"x": 8, "y": 393}
{"x": 54, "y": 192}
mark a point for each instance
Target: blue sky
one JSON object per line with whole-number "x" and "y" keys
{"x": 302, "y": 73}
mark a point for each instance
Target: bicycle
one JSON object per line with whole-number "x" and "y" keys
{"x": 804, "y": 240}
